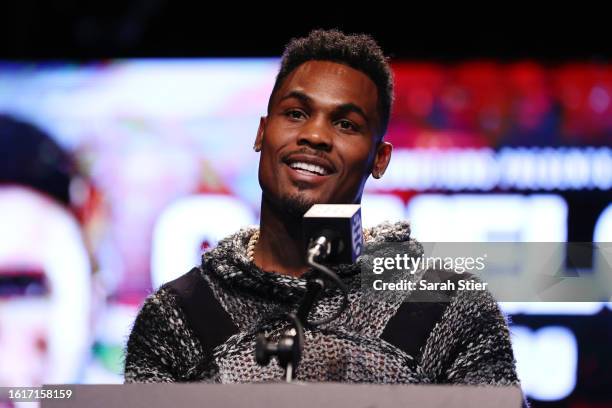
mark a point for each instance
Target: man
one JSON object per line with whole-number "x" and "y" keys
{"x": 321, "y": 139}
{"x": 45, "y": 266}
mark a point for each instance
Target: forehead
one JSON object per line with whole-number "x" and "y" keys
{"x": 333, "y": 83}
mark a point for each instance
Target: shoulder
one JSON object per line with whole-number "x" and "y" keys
{"x": 160, "y": 346}
{"x": 475, "y": 311}
{"x": 231, "y": 249}
{"x": 412, "y": 324}
{"x": 175, "y": 331}
{"x": 471, "y": 341}
{"x": 159, "y": 309}
{"x": 439, "y": 310}
{"x": 159, "y": 321}
{"x": 398, "y": 231}
{"x": 206, "y": 317}
{"x": 464, "y": 300}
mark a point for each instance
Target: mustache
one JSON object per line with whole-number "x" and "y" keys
{"x": 322, "y": 157}
{"x": 308, "y": 151}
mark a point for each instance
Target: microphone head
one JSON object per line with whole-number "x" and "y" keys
{"x": 341, "y": 224}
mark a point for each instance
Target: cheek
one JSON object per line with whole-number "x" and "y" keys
{"x": 279, "y": 129}
{"x": 266, "y": 170}
{"x": 357, "y": 158}
{"x": 269, "y": 167}
{"x": 275, "y": 138}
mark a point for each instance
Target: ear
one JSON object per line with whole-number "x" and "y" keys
{"x": 382, "y": 158}
{"x": 260, "y": 133}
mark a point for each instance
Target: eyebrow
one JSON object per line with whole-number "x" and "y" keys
{"x": 351, "y": 107}
{"x": 301, "y": 96}
{"x": 342, "y": 109}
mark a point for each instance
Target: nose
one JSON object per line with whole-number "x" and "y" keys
{"x": 317, "y": 135}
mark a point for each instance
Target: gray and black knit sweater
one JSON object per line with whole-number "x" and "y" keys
{"x": 464, "y": 340}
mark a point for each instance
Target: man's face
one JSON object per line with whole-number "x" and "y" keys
{"x": 319, "y": 141}
{"x": 45, "y": 283}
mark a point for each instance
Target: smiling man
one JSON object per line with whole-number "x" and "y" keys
{"x": 320, "y": 141}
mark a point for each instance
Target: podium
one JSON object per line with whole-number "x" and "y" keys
{"x": 294, "y": 395}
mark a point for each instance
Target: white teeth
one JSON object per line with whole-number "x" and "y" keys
{"x": 313, "y": 168}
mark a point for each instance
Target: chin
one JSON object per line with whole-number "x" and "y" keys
{"x": 296, "y": 204}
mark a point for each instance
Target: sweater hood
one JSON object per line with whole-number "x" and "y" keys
{"x": 229, "y": 264}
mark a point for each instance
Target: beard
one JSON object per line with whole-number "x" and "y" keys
{"x": 293, "y": 205}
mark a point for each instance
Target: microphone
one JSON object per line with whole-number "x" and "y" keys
{"x": 332, "y": 232}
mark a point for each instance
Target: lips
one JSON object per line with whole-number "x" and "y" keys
{"x": 310, "y": 164}
{"x": 311, "y": 168}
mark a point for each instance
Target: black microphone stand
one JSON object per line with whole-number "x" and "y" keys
{"x": 288, "y": 349}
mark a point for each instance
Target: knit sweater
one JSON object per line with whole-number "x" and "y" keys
{"x": 465, "y": 340}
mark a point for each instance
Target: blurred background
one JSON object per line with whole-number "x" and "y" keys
{"x": 126, "y": 137}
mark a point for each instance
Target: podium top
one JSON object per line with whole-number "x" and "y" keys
{"x": 295, "y": 395}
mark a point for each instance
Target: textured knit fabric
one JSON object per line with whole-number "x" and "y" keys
{"x": 469, "y": 344}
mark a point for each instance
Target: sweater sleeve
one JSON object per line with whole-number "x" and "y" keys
{"x": 474, "y": 341}
{"x": 161, "y": 347}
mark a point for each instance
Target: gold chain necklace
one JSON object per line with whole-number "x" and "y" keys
{"x": 255, "y": 237}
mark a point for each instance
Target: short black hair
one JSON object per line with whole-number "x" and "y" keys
{"x": 31, "y": 157}
{"x": 358, "y": 51}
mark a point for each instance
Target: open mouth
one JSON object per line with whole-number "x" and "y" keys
{"x": 309, "y": 165}
{"x": 306, "y": 168}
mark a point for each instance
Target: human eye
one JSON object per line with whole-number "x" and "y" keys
{"x": 347, "y": 125}
{"x": 294, "y": 114}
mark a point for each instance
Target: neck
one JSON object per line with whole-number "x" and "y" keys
{"x": 280, "y": 247}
